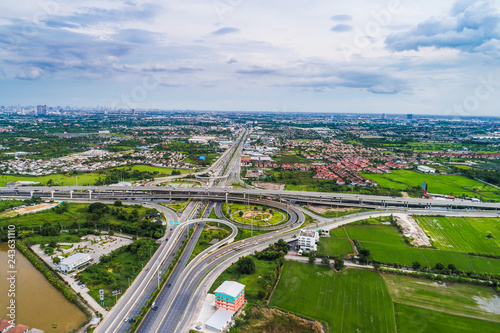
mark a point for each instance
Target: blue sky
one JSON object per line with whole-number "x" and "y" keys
{"x": 427, "y": 57}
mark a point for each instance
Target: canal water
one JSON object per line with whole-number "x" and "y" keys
{"x": 38, "y": 303}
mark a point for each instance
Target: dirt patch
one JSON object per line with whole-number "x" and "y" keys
{"x": 30, "y": 209}
{"x": 327, "y": 209}
{"x": 276, "y": 321}
{"x": 405, "y": 194}
{"x": 269, "y": 186}
{"x": 491, "y": 305}
{"x": 412, "y": 230}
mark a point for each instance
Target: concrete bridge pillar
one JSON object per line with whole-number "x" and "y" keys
{"x": 71, "y": 194}
{"x": 226, "y": 197}
{"x": 90, "y": 194}
{"x": 52, "y": 194}
{"x": 31, "y": 193}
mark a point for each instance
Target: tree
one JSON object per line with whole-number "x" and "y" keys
{"x": 245, "y": 265}
{"x": 439, "y": 266}
{"x": 376, "y": 266}
{"x": 364, "y": 252}
{"x": 452, "y": 268}
{"x": 325, "y": 260}
{"x": 118, "y": 203}
{"x": 339, "y": 264}
{"x": 49, "y": 229}
{"x": 312, "y": 257}
{"x": 416, "y": 265}
{"x": 240, "y": 213}
{"x": 56, "y": 260}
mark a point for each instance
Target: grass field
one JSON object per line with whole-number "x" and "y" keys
{"x": 254, "y": 283}
{"x": 84, "y": 178}
{"x": 440, "y": 184}
{"x": 334, "y": 212}
{"x": 460, "y": 235}
{"x": 411, "y": 319}
{"x": 337, "y": 245}
{"x": 452, "y": 298}
{"x": 350, "y": 301}
{"x": 291, "y": 159}
{"x": 57, "y": 179}
{"x": 386, "y": 245}
{"x": 209, "y": 233}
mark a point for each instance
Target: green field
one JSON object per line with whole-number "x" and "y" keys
{"x": 209, "y": 234}
{"x": 57, "y": 179}
{"x": 127, "y": 219}
{"x": 84, "y": 178}
{"x": 463, "y": 234}
{"x": 292, "y": 159}
{"x": 386, "y": 245}
{"x": 350, "y": 301}
{"x": 6, "y": 204}
{"x": 452, "y": 298}
{"x": 256, "y": 285}
{"x": 150, "y": 168}
{"x": 439, "y": 184}
{"x": 337, "y": 245}
{"x": 411, "y": 319}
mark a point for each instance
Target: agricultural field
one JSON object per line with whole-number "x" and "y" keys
{"x": 337, "y": 245}
{"x": 412, "y": 319}
{"x": 439, "y": 184}
{"x": 452, "y": 298}
{"x": 461, "y": 234}
{"x": 349, "y": 301}
{"x": 386, "y": 245}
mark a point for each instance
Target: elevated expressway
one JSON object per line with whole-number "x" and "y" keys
{"x": 152, "y": 193}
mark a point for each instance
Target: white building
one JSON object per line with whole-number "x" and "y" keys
{"x": 426, "y": 169}
{"x": 74, "y": 261}
{"x": 308, "y": 239}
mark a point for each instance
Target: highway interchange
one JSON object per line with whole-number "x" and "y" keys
{"x": 180, "y": 299}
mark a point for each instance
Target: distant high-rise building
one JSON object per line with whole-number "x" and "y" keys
{"x": 409, "y": 116}
{"x": 384, "y": 116}
{"x": 41, "y": 110}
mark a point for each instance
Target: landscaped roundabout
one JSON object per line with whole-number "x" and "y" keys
{"x": 256, "y": 215}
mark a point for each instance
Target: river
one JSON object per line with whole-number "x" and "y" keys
{"x": 38, "y": 303}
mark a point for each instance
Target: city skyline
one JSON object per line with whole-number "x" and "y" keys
{"x": 386, "y": 57}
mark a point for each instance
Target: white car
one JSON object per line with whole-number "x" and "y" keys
{"x": 126, "y": 319}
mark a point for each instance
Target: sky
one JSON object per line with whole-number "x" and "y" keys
{"x": 422, "y": 57}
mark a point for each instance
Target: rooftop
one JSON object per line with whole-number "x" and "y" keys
{"x": 230, "y": 288}
{"x": 74, "y": 258}
{"x": 18, "y": 329}
{"x": 307, "y": 233}
{"x": 219, "y": 319}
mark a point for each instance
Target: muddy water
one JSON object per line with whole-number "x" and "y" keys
{"x": 38, "y": 303}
